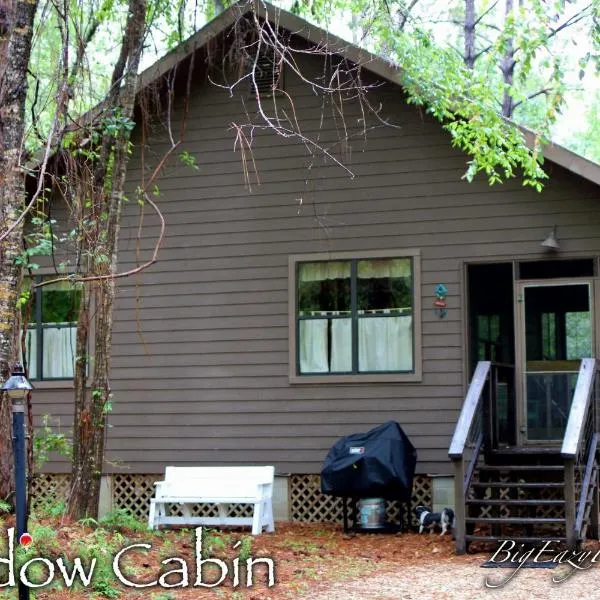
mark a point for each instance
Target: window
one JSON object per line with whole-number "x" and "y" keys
{"x": 488, "y": 337}
{"x": 356, "y": 316}
{"x": 553, "y": 269}
{"x": 50, "y": 341}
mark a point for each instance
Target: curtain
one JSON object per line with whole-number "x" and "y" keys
{"x": 341, "y": 345}
{"x": 30, "y": 353}
{"x": 385, "y": 344}
{"x": 314, "y": 356}
{"x": 373, "y": 268}
{"x": 313, "y": 346}
{"x": 320, "y": 271}
{"x": 384, "y": 268}
{"x": 59, "y": 351}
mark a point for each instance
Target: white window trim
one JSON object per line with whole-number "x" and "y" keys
{"x": 415, "y": 376}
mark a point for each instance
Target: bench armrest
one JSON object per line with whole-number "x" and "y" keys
{"x": 266, "y": 490}
{"x": 160, "y": 487}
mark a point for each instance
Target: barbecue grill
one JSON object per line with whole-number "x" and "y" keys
{"x": 377, "y": 464}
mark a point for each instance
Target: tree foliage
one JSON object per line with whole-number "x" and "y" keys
{"x": 530, "y": 56}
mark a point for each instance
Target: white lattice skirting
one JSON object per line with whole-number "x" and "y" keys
{"x": 308, "y": 504}
{"x": 305, "y": 501}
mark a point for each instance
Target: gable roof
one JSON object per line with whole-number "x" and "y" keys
{"x": 554, "y": 152}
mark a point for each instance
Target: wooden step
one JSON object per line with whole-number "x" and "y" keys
{"x": 516, "y": 502}
{"x": 557, "y": 468}
{"x": 530, "y": 450}
{"x": 514, "y": 520}
{"x": 526, "y": 456}
{"x": 517, "y": 484}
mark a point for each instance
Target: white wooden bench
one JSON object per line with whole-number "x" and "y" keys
{"x": 215, "y": 485}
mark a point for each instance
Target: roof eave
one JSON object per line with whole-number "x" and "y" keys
{"x": 281, "y": 18}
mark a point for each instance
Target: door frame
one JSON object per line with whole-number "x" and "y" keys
{"x": 520, "y": 341}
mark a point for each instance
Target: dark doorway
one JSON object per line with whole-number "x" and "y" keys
{"x": 491, "y": 314}
{"x": 492, "y": 336}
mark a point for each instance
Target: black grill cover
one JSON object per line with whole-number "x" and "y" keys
{"x": 379, "y": 463}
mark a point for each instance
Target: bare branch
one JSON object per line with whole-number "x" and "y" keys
{"x": 483, "y": 51}
{"x": 582, "y": 14}
{"x": 485, "y": 13}
{"x": 532, "y": 96}
{"x": 405, "y": 14}
{"x": 157, "y": 245}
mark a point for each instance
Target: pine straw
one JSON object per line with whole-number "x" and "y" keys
{"x": 319, "y": 562}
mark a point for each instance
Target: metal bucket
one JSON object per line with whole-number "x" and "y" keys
{"x": 371, "y": 513}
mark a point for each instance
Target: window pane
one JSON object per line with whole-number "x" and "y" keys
{"x": 549, "y": 398}
{"x": 313, "y": 346}
{"x": 385, "y": 343}
{"x": 483, "y": 328}
{"x": 323, "y": 287}
{"x": 325, "y": 345}
{"x": 384, "y": 284}
{"x": 60, "y": 302}
{"x": 341, "y": 346}
{"x": 578, "y": 327}
{"x": 549, "y": 336}
{"x": 58, "y": 352}
{"x": 29, "y": 356}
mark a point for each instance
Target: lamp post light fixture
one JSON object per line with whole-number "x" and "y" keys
{"x": 16, "y": 387}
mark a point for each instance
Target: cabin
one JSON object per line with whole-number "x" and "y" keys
{"x": 314, "y": 285}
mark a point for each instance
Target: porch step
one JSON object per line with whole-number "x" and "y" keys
{"x": 527, "y": 468}
{"x": 511, "y": 502}
{"x": 526, "y": 456}
{"x": 514, "y": 521}
{"x": 518, "y": 484}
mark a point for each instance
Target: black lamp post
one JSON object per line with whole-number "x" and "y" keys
{"x": 17, "y": 386}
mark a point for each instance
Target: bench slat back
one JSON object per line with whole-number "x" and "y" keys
{"x": 215, "y": 482}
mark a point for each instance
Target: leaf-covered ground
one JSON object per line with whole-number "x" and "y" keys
{"x": 310, "y": 561}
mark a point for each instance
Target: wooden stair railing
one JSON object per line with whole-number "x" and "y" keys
{"x": 466, "y": 445}
{"x": 575, "y": 468}
{"x": 579, "y": 454}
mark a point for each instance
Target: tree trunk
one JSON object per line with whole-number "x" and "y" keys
{"x": 507, "y": 66}
{"x": 469, "y": 29}
{"x": 16, "y": 28}
{"x": 92, "y": 406}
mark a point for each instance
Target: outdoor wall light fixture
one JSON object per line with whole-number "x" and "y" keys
{"x": 16, "y": 387}
{"x": 551, "y": 243}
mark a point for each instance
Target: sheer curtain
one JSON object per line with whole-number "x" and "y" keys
{"x": 320, "y": 271}
{"x": 341, "y": 345}
{"x": 385, "y": 344}
{"x": 314, "y": 346}
{"x": 59, "y": 351}
{"x": 30, "y": 353}
{"x": 384, "y": 268}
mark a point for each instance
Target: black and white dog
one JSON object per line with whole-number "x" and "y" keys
{"x": 428, "y": 519}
